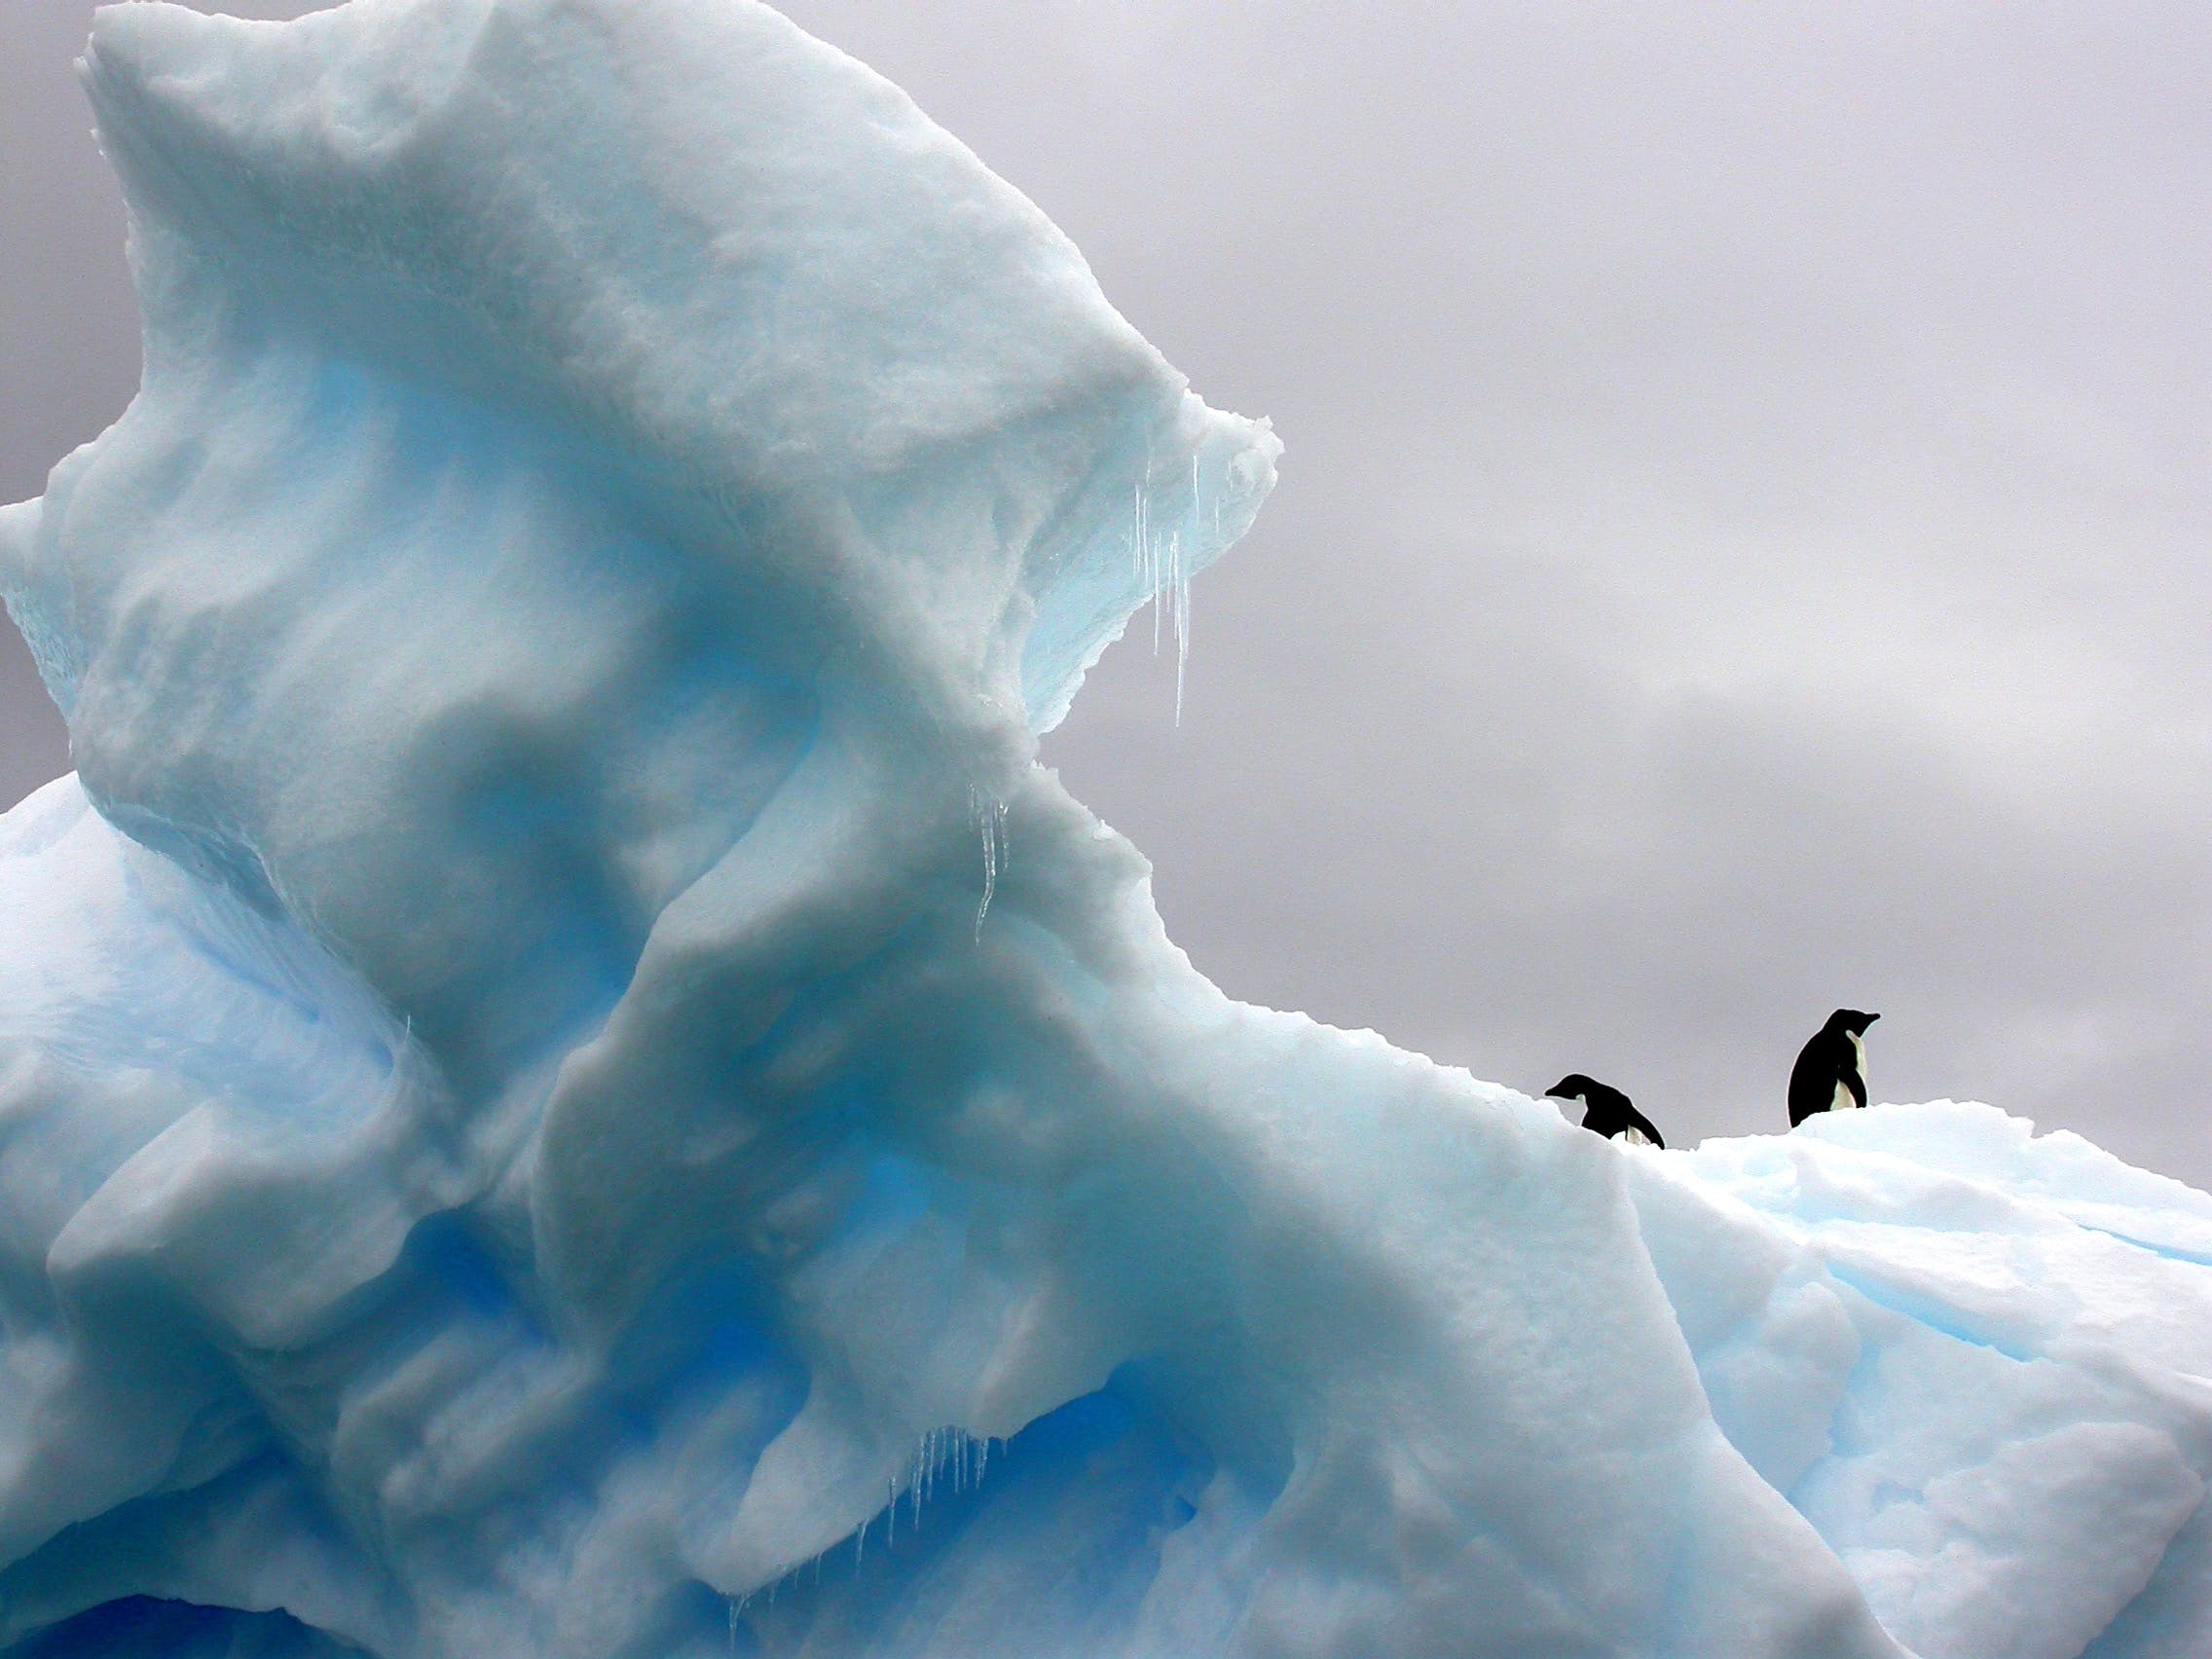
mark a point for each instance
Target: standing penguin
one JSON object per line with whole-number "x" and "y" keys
{"x": 1606, "y": 1111}
{"x": 1830, "y": 1073}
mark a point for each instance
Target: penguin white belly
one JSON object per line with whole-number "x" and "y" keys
{"x": 1845, "y": 1100}
{"x": 1635, "y": 1136}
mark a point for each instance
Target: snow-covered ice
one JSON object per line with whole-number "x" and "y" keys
{"x": 570, "y": 1088}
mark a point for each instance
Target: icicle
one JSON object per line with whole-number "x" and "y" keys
{"x": 990, "y": 818}
{"x": 1154, "y": 580}
{"x": 1142, "y": 533}
{"x": 735, "y": 1607}
{"x": 1182, "y": 592}
{"x": 1136, "y": 529}
{"x": 891, "y": 1491}
{"x": 860, "y": 1544}
{"x": 989, "y": 824}
{"x": 1148, "y": 549}
{"x": 990, "y": 867}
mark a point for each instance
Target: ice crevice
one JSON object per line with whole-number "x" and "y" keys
{"x": 570, "y": 1089}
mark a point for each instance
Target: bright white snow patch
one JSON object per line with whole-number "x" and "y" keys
{"x": 1979, "y": 1362}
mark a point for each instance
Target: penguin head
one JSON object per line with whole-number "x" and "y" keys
{"x": 1572, "y": 1087}
{"x": 1852, "y": 1021}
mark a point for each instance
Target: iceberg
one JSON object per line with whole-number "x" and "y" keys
{"x": 570, "y": 1087}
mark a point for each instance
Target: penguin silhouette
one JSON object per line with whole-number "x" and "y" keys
{"x": 1606, "y": 1111}
{"x": 1830, "y": 1073}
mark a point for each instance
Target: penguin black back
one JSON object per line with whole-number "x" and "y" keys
{"x": 1830, "y": 1073}
{"x": 1605, "y": 1110}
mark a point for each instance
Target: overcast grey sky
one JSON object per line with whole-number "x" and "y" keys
{"x": 1741, "y": 545}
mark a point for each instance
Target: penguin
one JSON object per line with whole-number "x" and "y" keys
{"x": 1606, "y": 1111}
{"x": 1830, "y": 1073}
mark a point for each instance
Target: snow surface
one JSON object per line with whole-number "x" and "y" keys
{"x": 569, "y": 1087}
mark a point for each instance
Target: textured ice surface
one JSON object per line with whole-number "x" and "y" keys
{"x": 569, "y": 1087}
{"x": 1979, "y": 1362}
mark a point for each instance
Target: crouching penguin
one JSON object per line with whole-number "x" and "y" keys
{"x": 1605, "y": 1111}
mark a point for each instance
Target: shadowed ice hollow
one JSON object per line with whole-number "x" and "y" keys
{"x": 571, "y": 1089}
